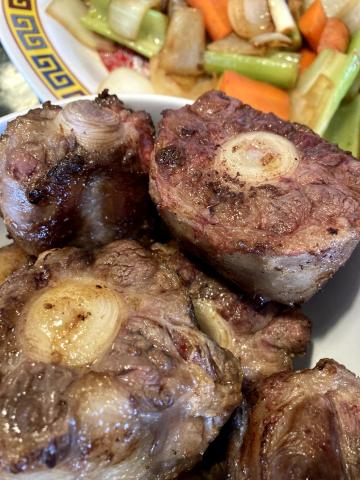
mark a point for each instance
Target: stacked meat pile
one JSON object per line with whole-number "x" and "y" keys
{"x": 122, "y": 358}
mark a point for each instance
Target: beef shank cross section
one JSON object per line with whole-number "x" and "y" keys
{"x": 75, "y": 174}
{"x": 303, "y": 425}
{"x": 270, "y": 204}
{"x": 264, "y": 338}
{"x": 103, "y": 372}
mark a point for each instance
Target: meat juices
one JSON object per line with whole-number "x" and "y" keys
{"x": 264, "y": 338}
{"x": 303, "y": 425}
{"x": 269, "y": 204}
{"x": 104, "y": 374}
{"x": 75, "y": 175}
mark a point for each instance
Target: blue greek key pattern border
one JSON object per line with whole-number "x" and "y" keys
{"x": 25, "y": 25}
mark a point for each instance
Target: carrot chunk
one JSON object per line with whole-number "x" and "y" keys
{"x": 335, "y": 35}
{"x": 215, "y": 15}
{"x": 259, "y": 95}
{"x": 312, "y": 23}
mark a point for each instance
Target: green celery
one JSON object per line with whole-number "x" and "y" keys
{"x": 344, "y": 129}
{"x": 152, "y": 31}
{"x": 322, "y": 87}
{"x": 273, "y": 70}
{"x": 286, "y": 56}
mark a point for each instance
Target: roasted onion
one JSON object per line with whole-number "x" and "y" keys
{"x": 250, "y": 17}
{"x": 69, "y": 14}
{"x": 185, "y": 43}
{"x": 234, "y": 44}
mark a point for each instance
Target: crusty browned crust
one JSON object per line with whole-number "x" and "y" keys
{"x": 177, "y": 386}
{"x": 264, "y": 337}
{"x": 281, "y": 238}
{"x": 303, "y": 425}
{"x": 56, "y": 190}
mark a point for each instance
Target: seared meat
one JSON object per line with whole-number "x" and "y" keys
{"x": 103, "y": 373}
{"x": 264, "y": 337}
{"x": 11, "y": 258}
{"x": 269, "y": 204}
{"x": 302, "y": 426}
{"x": 75, "y": 175}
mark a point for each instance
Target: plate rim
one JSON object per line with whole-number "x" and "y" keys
{"x": 26, "y": 42}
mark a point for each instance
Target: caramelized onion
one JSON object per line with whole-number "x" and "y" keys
{"x": 234, "y": 44}
{"x": 250, "y": 17}
{"x": 185, "y": 43}
{"x": 271, "y": 39}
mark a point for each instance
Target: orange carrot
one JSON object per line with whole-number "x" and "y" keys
{"x": 306, "y": 58}
{"x": 312, "y": 23}
{"x": 259, "y": 95}
{"x": 215, "y": 15}
{"x": 335, "y": 35}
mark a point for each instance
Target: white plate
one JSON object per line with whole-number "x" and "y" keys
{"x": 335, "y": 312}
{"x": 54, "y": 63}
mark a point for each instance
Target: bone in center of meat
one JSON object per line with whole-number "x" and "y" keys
{"x": 257, "y": 157}
{"x": 73, "y": 323}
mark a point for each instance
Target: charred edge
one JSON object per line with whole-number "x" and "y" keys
{"x": 61, "y": 174}
{"x": 170, "y": 157}
{"x": 105, "y": 99}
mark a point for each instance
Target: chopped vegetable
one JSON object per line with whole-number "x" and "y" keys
{"x": 126, "y": 80}
{"x": 323, "y": 85}
{"x": 187, "y": 87}
{"x": 335, "y": 35}
{"x": 306, "y": 59}
{"x": 259, "y": 95}
{"x": 352, "y": 18}
{"x": 249, "y": 18}
{"x": 278, "y": 71}
{"x": 151, "y": 35}
{"x": 234, "y": 44}
{"x": 337, "y": 8}
{"x": 126, "y": 16}
{"x": 215, "y": 16}
{"x": 312, "y": 23}
{"x": 69, "y": 14}
{"x": 344, "y": 129}
{"x": 281, "y": 15}
{"x": 354, "y": 90}
{"x": 184, "y": 48}
{"x": 272, "y": 39}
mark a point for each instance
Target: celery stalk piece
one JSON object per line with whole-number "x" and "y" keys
{"x": 277, "y": 71}
{"x": 151, "y": 35}
{"x": 322, "y": 87}
{"x": 286, "y": 56}
{"x": 354, "y": 90}
{"x": 344, "y": 129}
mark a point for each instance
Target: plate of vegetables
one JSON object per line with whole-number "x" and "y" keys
{"x": 299, "y": 59}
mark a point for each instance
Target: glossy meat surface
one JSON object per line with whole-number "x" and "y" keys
{"x": 277, "y": 224}
{"x": 302, "y": 426}
{"x": 75, "y": 175}
{"x": 11, "y": 259}
{"x": 265, "y": 338}
{"x": 103, "y": 373}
